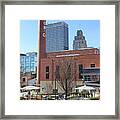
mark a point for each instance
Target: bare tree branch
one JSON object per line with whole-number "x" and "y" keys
{"x": 66, "y": 73}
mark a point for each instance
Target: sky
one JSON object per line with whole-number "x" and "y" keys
{"x": 29, "y": 33}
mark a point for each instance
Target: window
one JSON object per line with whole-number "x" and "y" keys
{"x": 47, "y": 68}
{"x": 32, "y": 65}
{"x": 32, "y": 59}
{"x": 92, "y": 65}
{"x": 27, "y": 59}
{"x": 47, "y": 72}
{"x": 47, "y": 75}
{"x": 27, "y": 64}
{"x": 32, "y": 69}
{"x": 80, "y": 67}
{"x": 27, "y": 69}
{"x": 87, "y": 77}
{"x": 80, "y": 76}
{"x": 94, "y": 77}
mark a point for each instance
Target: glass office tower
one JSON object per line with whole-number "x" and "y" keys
{"x": 28, "y": 62}
{"x": 57, "y": 37}
{"x": 22, "y": 63}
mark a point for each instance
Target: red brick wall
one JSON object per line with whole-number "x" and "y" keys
{"x": 86, "y": 60}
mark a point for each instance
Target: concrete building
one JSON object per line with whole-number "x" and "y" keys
{"x": 57, "y": 37}
{"x": 79, "y": 41}
{"x": 76, "y": 65}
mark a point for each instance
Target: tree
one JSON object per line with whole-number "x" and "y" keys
{"x": 49, "y": 87}
{"x": 65, "y": 74}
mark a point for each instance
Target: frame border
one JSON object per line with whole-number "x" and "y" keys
{"x": 2, "y": 60}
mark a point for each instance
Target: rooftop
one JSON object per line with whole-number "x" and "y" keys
{"x": 70, "y": 53}
{"x": 56, "y": 24}
{"x": 88, "y": 48}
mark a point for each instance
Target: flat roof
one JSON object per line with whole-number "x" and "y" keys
{"x": 88, "y": 48}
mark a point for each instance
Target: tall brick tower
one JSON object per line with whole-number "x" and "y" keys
{"x": 42, "y": 46}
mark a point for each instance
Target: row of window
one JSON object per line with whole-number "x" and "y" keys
{"x": 81, "y": 66}
{"x": 27, "y": 69}
{"x": 23, "y": 59}
{"x": 58, "y": 69}
{"x": 90, "y": 77}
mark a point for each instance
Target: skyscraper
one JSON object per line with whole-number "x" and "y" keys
{"x": 79, "y": 41}
{"x": 57, "y": 37}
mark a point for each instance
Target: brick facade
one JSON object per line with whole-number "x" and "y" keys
{"x": 86, "y": 57}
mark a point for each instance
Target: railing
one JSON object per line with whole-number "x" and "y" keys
{"x": 60, "y": 96}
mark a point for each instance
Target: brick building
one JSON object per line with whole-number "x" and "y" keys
{"x": 78, "y": 65}
{"x": 87, "y": 58}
